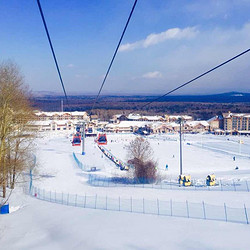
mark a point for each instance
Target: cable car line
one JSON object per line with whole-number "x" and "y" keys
{"x": 52, "y": 49}
{"x": 113, "y": 58}
{"x": 196, "y": 78}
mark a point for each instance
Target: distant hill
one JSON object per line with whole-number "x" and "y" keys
{"x": 230, "y": 97}
{"x": 199, "y": 106}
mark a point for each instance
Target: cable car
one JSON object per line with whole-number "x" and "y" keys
{"x": 76, "y": 140}
{"x": 210, "y": 180}
{"x": 185, "y": 180}
{"x": 102, "y": 139}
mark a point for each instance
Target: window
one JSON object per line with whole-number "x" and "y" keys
{"x": 244, "y": 123}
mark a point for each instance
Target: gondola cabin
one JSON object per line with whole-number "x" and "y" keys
{"x": 76, "y": 140}
{"x": 102, "y": 139}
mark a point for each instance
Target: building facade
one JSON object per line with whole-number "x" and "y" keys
{"x": 236, "y": 123}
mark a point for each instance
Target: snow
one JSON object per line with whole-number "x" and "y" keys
{"x": 35, "y": 224}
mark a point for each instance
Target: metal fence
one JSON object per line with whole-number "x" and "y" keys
{"x": 157, "y": 207}
{"x": 221, "y": 185}
{"x": 82, "y": 166}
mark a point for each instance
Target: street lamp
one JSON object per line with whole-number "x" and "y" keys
{"x": 180, "y": 122}
{"x": 83, "y": 137}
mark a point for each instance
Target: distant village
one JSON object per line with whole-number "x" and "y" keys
{"x": 228, "y": 123}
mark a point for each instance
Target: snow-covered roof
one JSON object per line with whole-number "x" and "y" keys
{"x": 128, "y": 124}
{"x": 195, "y": 123}
{"x": 61, "y": 122}
{"x": 212, "y": 119}
{"x": 40, "y": 123}
{"x": 185, "y": 117}
{"x": 153, "y": 118}
{"x": 146, "y": 117}
{"x": 49, "y": 122}
{"x": 229, "y": 115}
{"x": 134, "y": 116}
{"x": 74, "y": 113}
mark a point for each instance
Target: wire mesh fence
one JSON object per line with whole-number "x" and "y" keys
{"x": 144, "y": 206}
{"x": 222, "y": 185}
{"x": 84, "y": 167}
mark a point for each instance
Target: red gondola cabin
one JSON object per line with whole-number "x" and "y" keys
{"x": 102, "y": 139}
{"x": 76, "y": 140}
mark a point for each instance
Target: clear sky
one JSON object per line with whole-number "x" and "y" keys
{"x": 166, "y": 44}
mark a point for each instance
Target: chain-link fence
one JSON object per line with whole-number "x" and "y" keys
{"x": 144, "y": 206}
{"x": 221, "y": 185}
{"x": 84, "y": 167}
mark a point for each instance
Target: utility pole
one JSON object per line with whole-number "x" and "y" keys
{"x": 83, "y": 137}
{"x": 62, "y": 105}
{"x": 180, "y": 121}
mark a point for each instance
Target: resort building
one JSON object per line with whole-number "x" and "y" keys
{"x": 235, "y": 123}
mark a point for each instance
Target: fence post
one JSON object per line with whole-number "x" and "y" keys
{"x": 246, "y": 213}
{"x": 84, "y": 201}
{"x": 234, "y": 186}
{"x": 50, "y": 195}
{"x": 225, "y": 211}
{"x": 221, "y": 189}
{"x": 68, "y": 199}
{"x": 247, "y": 186}
{"x": 143, "y": 205}
{"x": 187, "y": 209}
{"x": 171, "y": 207}
{"x": 119, "y": 203}
{"x": 43, "y": 194}
{"x": 76, "y": 200}
{"x": 62, "y": 197}
{"x": 55, "y": 196}
{"x": 106, "y": 202}
{"x": 204, "y": 211}
{"x": 170, "y": 183}
{"x": 158, "y": 207}
{"x": 131, "y": 206}
{"x": 95, "y": 200}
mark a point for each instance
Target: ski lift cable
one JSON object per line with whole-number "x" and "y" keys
{"x": 196, "y": 78}
{"x": 51, "y": 46}
{"x": 113, "y": 58}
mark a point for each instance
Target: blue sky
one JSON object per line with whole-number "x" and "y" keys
{"x": 166, "y": 44}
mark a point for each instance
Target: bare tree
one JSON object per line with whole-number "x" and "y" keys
{"x": 15, "y": 115}
{"x": 140, "y": 155}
